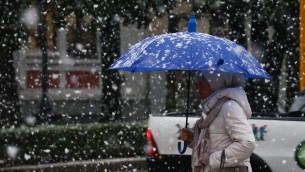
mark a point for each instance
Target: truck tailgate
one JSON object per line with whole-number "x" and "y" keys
{"x": 165, "y": 132}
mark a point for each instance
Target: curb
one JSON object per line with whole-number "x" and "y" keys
{"x": 116, "y": 164}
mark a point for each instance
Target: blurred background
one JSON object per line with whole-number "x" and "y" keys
{"x": 58, "y": 101}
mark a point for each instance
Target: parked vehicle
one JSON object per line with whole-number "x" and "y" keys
{"x": 298, "y": 103}
{"x": 280, "y": 142}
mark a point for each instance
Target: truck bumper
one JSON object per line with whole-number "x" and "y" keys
{"x": 166, "y": 163}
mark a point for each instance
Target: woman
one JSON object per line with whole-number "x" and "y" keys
{"x": 222, "y": 138}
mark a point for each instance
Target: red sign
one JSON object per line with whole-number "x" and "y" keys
{"x": 82, "y": 79}
{"x": 74, "y": 79}
{"x": 33, "y": 79}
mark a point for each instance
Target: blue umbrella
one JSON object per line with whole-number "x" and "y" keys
{"x": 189, "y": 51}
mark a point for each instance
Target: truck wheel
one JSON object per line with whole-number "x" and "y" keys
{"x": 258, "y": 164}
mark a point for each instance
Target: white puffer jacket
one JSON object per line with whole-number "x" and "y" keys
{"x": 231, "y": 130}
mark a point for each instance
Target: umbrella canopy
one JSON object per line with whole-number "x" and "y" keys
{"x": 189, "y": 51}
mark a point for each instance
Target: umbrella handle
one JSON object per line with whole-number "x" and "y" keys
{"x": 184, "y": 147}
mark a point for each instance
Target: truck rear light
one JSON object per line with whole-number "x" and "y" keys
{"x": 152, "y": 149}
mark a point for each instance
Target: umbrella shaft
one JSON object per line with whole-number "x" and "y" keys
{"x": 188, "y": 98}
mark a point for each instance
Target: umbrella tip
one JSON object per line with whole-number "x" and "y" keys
{"x": 192, "y": 24}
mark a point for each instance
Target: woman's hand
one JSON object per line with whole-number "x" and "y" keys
{"x": 187, "y": 135}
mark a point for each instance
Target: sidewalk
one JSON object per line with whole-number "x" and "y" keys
{"x": 105, "y": 165}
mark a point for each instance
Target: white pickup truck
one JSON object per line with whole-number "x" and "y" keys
{"x": 280, "y": 145}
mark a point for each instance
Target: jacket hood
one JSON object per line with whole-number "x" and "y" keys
{"x": 238, "y": 94}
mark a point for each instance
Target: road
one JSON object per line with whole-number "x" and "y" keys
{"x": 105, "y": 165}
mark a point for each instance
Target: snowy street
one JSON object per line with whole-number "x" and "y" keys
{"x": 106, "y": 165}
